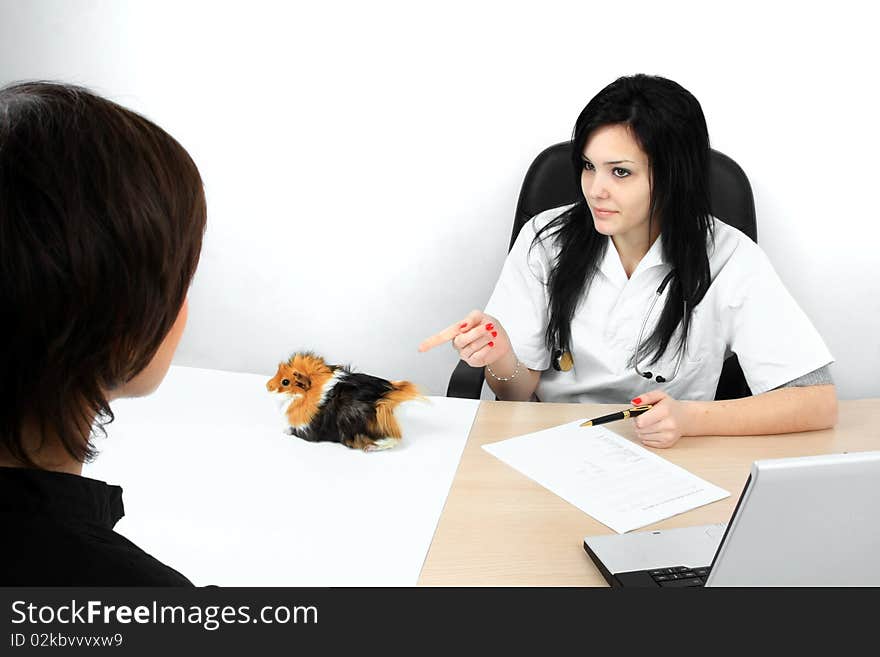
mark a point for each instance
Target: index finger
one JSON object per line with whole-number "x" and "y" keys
{"x": 450, "y": 332}
{"x": 445, "y": 335}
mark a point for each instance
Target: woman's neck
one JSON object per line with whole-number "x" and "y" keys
{"x": 632, "y": 247}
{"x": 48, "y": 454}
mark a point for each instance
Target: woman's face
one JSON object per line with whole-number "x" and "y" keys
{"x": 616, "y": 181}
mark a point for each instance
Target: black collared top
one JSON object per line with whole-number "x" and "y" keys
{"x": 57, "y": 530}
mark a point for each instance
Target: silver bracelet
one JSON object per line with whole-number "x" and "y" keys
{"x": 505, "y": 378}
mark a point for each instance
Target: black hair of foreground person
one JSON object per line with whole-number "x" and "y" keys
{"x": 102, "y": 215}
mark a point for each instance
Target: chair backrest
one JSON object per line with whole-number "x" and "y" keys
{"x": 550, "y": 182}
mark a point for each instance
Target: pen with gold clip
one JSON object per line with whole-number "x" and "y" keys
{"x": 620, "y": 415}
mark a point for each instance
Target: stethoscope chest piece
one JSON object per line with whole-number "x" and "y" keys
{"x": 562, "y": 361}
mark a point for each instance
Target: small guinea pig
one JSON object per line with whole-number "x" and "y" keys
{"x": 330, "y": 403}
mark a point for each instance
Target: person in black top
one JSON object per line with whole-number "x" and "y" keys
{"x": 102, "y": 215}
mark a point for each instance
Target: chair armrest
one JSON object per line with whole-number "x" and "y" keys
{"x": 466, "y": 381}
{"x": 732, "y": 382}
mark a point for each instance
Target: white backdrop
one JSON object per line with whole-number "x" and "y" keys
{"x": 362, "y": 160}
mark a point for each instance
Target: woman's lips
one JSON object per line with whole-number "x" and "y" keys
{"x": 604, "y": 213}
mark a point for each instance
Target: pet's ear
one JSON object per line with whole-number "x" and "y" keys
{"x": 301, "y": 380}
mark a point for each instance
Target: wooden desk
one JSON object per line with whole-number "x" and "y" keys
{"x": 500, "y": 528}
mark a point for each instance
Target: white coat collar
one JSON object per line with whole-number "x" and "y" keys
{"x": 612, "y": 267}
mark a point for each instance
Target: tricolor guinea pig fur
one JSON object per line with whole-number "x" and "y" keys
{"x": 330, "y": 403}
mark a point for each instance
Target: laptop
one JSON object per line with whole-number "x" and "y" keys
{"x": 803, "y": 521}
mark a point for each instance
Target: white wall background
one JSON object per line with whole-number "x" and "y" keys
{"x": 362, "y": 160}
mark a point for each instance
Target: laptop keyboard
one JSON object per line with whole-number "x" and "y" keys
{"x": 680, "y": 576}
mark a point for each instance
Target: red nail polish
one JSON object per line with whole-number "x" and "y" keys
{"x": 637, "y": 400}
{"x": 494, "y": 334}
{"x": 489, "y": 327}
{"x": 463, "y": 325}
{"x": 491, "y": 344}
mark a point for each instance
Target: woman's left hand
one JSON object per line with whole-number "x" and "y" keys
{"x": 664, "y": 424}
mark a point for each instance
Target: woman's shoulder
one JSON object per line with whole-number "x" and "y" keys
{"x": 735, "y": 261}
{"x": 534, "y": 245}
{"x": 729, "y": 246}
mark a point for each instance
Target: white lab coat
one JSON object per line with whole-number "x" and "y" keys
{"x": 746, "y": 311}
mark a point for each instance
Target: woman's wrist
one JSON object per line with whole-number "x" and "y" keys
{"x": 694, "y": 415}
{"x": 506, "y": 368}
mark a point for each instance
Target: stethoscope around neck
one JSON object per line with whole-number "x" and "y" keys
{"x": 562, "y": 361}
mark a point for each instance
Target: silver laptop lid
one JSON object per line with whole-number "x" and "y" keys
{"x": 805, "y": 521}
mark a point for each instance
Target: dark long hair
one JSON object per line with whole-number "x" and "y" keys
{"x": 668, "y": 123}
{"x": 101, "y": 221}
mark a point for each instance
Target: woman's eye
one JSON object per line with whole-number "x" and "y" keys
{"x": 620, "y": 173}
{"x": 588, "y": 166}
{"x": 285, "y": 382}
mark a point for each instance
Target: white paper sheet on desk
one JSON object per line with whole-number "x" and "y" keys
{"x": 621, "y": 484}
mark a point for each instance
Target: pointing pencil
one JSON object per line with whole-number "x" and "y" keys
{"x": 620, "y": 415}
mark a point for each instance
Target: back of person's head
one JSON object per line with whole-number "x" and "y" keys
{"x": 101, "y": 221}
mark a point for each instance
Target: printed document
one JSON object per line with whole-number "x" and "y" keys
{"x": 616, "y": 481}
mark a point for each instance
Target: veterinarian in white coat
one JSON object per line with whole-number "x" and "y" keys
{"x": 592, "y": 300}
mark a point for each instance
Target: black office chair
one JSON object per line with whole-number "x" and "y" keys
{"x": 549, "y": 183}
